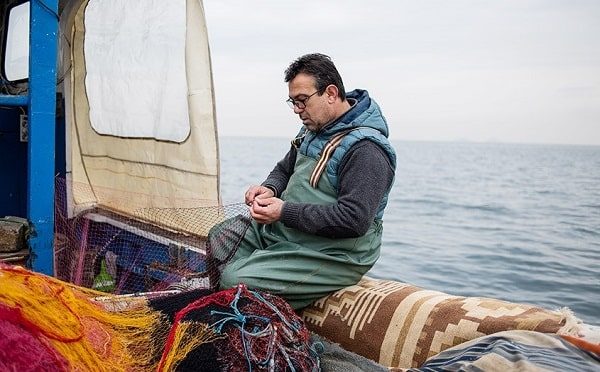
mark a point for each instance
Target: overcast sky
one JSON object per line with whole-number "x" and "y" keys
{"x": 506, "y": 71}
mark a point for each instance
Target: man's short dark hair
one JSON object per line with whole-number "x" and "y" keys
{"x": 320, "y": 67}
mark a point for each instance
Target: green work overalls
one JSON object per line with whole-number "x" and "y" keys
{"x": 295, "y": 265}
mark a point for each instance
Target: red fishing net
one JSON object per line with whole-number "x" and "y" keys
{"x": 262, "y": 333}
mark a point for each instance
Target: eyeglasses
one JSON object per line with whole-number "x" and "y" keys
{"x": 300, "y": 103}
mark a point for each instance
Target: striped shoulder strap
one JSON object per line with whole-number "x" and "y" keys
{"x": 325, "y": 156}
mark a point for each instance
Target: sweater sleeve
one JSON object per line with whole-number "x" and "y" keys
{"x": 280, "y": 175}
{"x": 365, "y": 176}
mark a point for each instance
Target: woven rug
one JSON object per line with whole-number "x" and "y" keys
{"x": 400, "y": 325}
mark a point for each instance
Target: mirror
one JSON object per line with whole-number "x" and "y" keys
{"x": 16, "y": 52}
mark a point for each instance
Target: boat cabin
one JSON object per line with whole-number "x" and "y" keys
{"x": 108, "y": 141}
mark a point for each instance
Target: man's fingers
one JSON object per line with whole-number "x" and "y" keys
{"x": 257, "y": 216}
{"x": 251, "y": 194}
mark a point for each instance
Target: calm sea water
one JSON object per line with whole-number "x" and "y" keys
{"x": 515, "y": 222}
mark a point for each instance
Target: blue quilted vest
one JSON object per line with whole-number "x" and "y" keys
{"x": 363, "y": 121}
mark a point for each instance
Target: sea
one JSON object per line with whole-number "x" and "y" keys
{"x": 516, "y": 222}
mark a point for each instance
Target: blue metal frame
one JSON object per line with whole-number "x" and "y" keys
{"x": 43, "y": 43}
{"x": 7, "y": 100}
{"x": 41, "y": 102}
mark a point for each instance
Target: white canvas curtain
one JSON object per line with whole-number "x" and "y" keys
{"x": 135, "y": 61}
{"x": 142, "y": 123}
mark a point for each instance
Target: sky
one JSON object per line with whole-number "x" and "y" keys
{"x": 518, "y": 71}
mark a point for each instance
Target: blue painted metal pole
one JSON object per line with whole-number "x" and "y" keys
{"x": 8, "y": 100}
{"x": 43, "y": 41}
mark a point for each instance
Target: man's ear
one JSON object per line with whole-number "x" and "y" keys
{"x": 332, "y": 93}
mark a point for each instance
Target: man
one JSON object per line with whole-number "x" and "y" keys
{"x": 317, "y": 218}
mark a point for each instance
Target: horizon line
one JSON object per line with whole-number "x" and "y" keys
{"x": 457, "y": 141}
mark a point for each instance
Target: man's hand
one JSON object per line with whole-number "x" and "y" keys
{"x": 257, "y": 192}
{"x": 266, "y": 210}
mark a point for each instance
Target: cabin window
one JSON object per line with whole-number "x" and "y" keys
{"x": 135, "y": 75}
{"x": 16, "y": 44}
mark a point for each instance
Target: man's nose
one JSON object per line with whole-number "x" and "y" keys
{"x": 297, "y": 109}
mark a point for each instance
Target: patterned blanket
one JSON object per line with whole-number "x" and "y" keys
{"x": 400, "y": 325}
{"x": 514, "y": 351}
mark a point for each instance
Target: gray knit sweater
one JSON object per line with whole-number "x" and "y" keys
{"x": 365, "y": 175}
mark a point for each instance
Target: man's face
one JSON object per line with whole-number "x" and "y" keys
{"x": 317, "y": 112}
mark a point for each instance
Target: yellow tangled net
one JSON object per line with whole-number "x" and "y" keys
{"x": 85, "y": 334}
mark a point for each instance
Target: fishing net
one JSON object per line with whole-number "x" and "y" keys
{"x": 49, "y": 325}
{"x": 139, "y": 292}
{"x": 182, "y": 246}
{"x": 252, "y": 331}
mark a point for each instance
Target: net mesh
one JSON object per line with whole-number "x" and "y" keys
{"x": 262, "y": 332}
{"x": 139, "y": 292}
{"x": 49, "y": 325}
{"x": 156, "y": 249}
